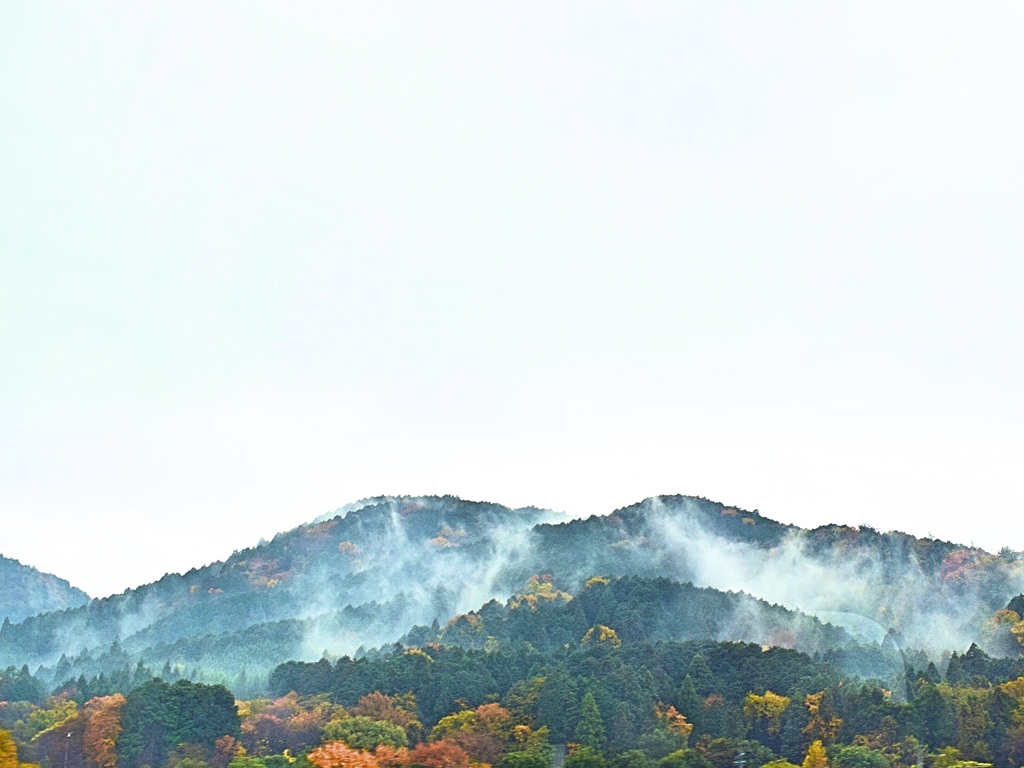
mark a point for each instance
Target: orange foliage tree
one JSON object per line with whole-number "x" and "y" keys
{"x": 290, "y": 722}
{"x": 438, "y": 754}
{"x": 398, "y": 710}
{"x": 102, "y": 729}
{"x": 336, "y": 755}
{"x": 483, "y": 732}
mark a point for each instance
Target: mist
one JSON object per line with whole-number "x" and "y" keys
{"x": 361, "y": 578}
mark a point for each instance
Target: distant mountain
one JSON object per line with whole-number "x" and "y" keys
{"x": 366, "y": 576}
{"x": 932, "y": 594}
{"x": 423, "y": 558}
{"x": 26, "y": 591}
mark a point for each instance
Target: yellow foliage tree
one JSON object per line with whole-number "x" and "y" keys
{"x": 771, "y": 707}
{"x": 820, "y": 725}
{"x": 1017, "y": 630}
{"x": 1014, "y": 688}
{"x": 602, "y": 634}
{"x": 816, "y": 757}
{"x": 674, "y": 720}
{"x": 8, "y": 751}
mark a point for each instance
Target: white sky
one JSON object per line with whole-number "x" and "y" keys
{"x": 260, "y": 260}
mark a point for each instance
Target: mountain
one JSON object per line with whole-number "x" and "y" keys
{"x": 932, "y": 594}
{"x": 365, "y": 576}
{"x": 27, "y": 591}
{"x": 420, "y": 557}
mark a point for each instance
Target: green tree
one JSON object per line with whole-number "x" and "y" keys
{"x": 524, "y": 760}
{"x": 700, "y": 675}
{"x": 685, "y": 758}
{"x": 858, "y": 757}
{"x": 590, "y": 730}
{"x": 585, "y": 757}
{"x": 633, "y": 758}
{"x": 361, "y": 732}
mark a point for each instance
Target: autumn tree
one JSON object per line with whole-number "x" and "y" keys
{"x": 483, "y": 732}
{"x": 437, "y": 754}
{"x": 102, "y": 730}
{"x": 770, "y": 708}
{"x": 291, "y": 722}
{"x": 400, "y": 710}
{"x": 822, "y": 724}
{"x": 335, "y": 754}
{"x": 674, "y": 720}
{"x": 816, "y": 757}
{"x": 8, "y": 751}
{"x": 602, "y": 635}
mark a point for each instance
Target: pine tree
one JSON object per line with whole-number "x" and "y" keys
{"x": 700, "y": 673}
{"x": 590, "y": 730}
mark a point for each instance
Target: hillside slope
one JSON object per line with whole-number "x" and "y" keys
{"x": 432, "y": 556}
{"x": 27, "y": 591}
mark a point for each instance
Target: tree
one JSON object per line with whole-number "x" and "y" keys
{"x": 157, "y": 717}
{"x": 337, "y": 755}
{"x": 685, "y": 758}
{"x": 590, "y": 729}
{"x": 633, "y": 758}
{"x": 770, "y": 708}
{"x": 556, "y": 705}
{"x": 524, "y": 760}
{"x": 822, "y": 724}
{"x": 600, "y": 634}
{"x": 8, "y": 751}
{"x": 700, "y": 675}
{"x": 400, "y": 710}
{"x": 102, "y": 730}
{"x": 859, "y": 757}
{"x": 585, "y": 757}
{"x": 438, "y": 754}
{"x": 816, "y": 757}
{"x": 483, "y": 732}
{"x": 363, "y": 733}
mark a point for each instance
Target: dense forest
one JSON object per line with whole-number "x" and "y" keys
{"x": 437, "y": 632}
{"x": 588, "y": 680}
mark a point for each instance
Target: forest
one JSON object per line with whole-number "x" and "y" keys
{"x": 546, "y": 679}
{"x": 431, "y": 631}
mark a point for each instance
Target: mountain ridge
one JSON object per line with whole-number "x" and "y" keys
{"x": 29, "y": 591}
{"x": 379, "y": 566}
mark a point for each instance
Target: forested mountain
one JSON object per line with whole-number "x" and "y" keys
{"x": 413, "y": 558}
{"x": 933, "y": 594}
{"x": 27, "y": 591}
{"x": 365, "y": 576}
{"x": 499, "y": 637}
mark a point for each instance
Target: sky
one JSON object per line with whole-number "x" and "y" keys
{"x": 260, "y": 260}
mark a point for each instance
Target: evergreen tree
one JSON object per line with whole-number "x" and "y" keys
{"x": 689, "y": 703}
{"x": 590, "y": 730}
{"x": 700, "y": 675}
